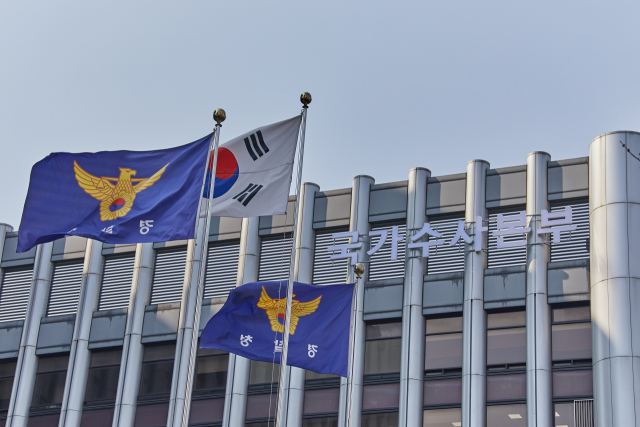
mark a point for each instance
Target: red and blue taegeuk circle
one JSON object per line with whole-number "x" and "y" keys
{"x": 227, "y": 172}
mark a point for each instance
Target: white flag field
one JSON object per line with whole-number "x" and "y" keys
{"x": 253, "y": 173}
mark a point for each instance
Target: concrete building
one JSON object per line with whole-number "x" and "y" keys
{"x": 538, "y": 334}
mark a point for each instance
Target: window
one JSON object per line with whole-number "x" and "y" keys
{"x": 507, "y": 415}
{"x": 446, "y": 258}
{"x": 442, "y": 417}
{"x": 222, "y": 269}
{"x": 321, "y": 401}
{"x": 327, "y": 271}
{"x": 564, "y": 414}
{"x": 264, "y": 372}
{"x": 211, "y": 370}
{"x": 168, "y": 276}
{"x": 506, "y": 340}
{"x": 65, "y": 289}
{"x": 571, "y": 336}
{"x": 7, "y": 371}
{"x": 320, "y": 422}
{"x": 50, "y": 379}
{"x": 381, "y": 265}
{"x": 383, "y": 348}
{"x": 505, "y": 257}
{"x": 157, "y": 370}
{"x": 275, "y": 258}
{"x": 102, "y": 381}
{"x": 573, "y": 244}
{"x": 116, "y": 282}
{"x": 385, "y": 419}
{"x": 14, "y": 294}
{"x": 443, "y": 347}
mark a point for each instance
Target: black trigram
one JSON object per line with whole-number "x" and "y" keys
{"x": 248, "y": 193}
{"x": 255, "y": 142}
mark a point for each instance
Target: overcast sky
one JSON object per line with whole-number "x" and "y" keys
{"x": 395, "y": 85}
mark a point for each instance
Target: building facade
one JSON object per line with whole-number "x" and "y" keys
{"x": 540, "y": 333}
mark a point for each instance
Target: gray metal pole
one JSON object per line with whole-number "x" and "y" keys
{"x": 474, "y": 329}
{"x": 132, "y": 350}
{"x": 77, "y": 374}
{"x": 614, "y": 209}
{"x": 539, "y": 383}
{"x": 413, "y": 333}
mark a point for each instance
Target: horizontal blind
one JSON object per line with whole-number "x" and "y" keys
{"x": 325, "y": 270}
{"x": 222, "y": 270}
{"x": 446, "y": 258}
{"x": 14, "y": 294}
{"x": 275, "y": 258}
{"x": 116, "y": 282}
{"x": 168, "y": 276}
{"x": 573, "y": 244}
{"x": 381, "y": 266}
{"x": 65, "y": 289}
{"x": 505, "y": 257}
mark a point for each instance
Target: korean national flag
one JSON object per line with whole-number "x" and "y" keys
{"x": 253, "y": 173}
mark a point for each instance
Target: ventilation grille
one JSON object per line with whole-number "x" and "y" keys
{"x": 325, "y": 270}
{"x": 573, "y": 244}
{"x": 14, "y": 294}
{"x": 116, "y": 283}
{"x": 275, "y": 258}
{"x": 583, "y": 413}
{"x": 381, "y": 266}
{"x": 505, "y": 257}
{"x": 65, "y": 289}
{"x": 168, "y": 277}
{"x": 222, "y": 270}
{"x": 446, "y": 258}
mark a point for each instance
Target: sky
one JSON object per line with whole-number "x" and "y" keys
{"x": 395, "y": 85}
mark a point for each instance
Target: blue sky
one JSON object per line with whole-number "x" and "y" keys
{"x": 395, "y": 85}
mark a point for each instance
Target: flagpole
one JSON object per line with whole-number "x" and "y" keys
{"x": 219, "y": 116}
{"x": 305, "y": 98}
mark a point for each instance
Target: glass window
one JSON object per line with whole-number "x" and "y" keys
{"x": 205, "y": 411}
{"x": 506, "y": 339}
{"x": 7, "y": 371}
{"x": 211, "y": 369}
{"x": 571, "y": 335}
{"x": 506, "y": 387}
{"x": 50, "y": 379}
{"x": 97, "y": 418}
{"x": 262, "y": 405}
{"x": 102, "y": 382}
{"x": 380, "y": 396}
{"x": 442, "y": 417}
{"x": 573, "y": 383}
{"x": 157, "y": 369}
{"x": 443, "y": 391}
{"x": 507, "y": 416}
{"x": 152, "y": 415}
{"x": 564, "y": 414}
{"x": 386, "y": 419}
{"x": 320, "y": 422}
{"x": 443, "y": 347}
{"x": 324, "y": 400}
{"x": 383, "y": 348}
{"x": 264, "y": 372}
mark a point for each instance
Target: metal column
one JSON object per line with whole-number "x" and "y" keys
{"x": 305, "y": 241}
{"x": 413, "y": 333}
{"x": 25, "y": 377}
{"x": 235, "y": 402}
{"x": 539, "y": 382}
{"x": 614, "y": 210}
{"x": 474, "y": 329}
{"x": 132, "y": 350}
{"x": 79, "y": 361}
{"x": 351, "y": 388}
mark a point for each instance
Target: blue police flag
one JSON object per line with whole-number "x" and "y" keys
{"x": 115, "y": 196}
{"x": 251, "y": 324}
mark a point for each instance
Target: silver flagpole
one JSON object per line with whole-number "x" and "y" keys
{"x": 281, "y": 416}
{"x": 219, "y": 116}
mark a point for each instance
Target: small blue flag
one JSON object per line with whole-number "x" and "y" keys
{"x": 251, "y": 324}
{"x": 115, "y": 196}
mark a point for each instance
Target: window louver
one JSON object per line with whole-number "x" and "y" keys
{"x": 583, "y": 412}
{"x": 381, "y": 266}
{"x": 325, "y": 270}
{"x": 116, "y": 283}
{"x": 65, "y": 289}
{"x": 168, "y": 277}
{"x": 14, "y": 294}
{"x": 505, "y": 257}
{"x": 275, "y": 258}
{"x": 222, "y": 270}
{"x": 573, "y": 245}
{"x": 446, "y": 258}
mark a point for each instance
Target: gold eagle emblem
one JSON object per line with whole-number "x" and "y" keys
{"x": 275, "y": 309}
{"x": 116, "y": 199}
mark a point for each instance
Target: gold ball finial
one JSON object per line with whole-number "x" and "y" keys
{"x": 305, "y": 98}
{"x": 219, "y": 115}
{"x": 358, "y": 269}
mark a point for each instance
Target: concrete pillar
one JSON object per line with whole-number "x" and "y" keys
{"x": 25, "y": 376}
{"x": 474, "y": 329}
{"x": 351, "y": 388}
{"x": 184, "y": 362}
{"x": 413, "y": 333}
{"x": 235, "y": 402}
{"x": 539, "y": 382}
{"x": 80, "y": 356}
{"x": 614, "y": 210}
{"x": 303, "y": 272}
{"x": 132, "y": 350}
